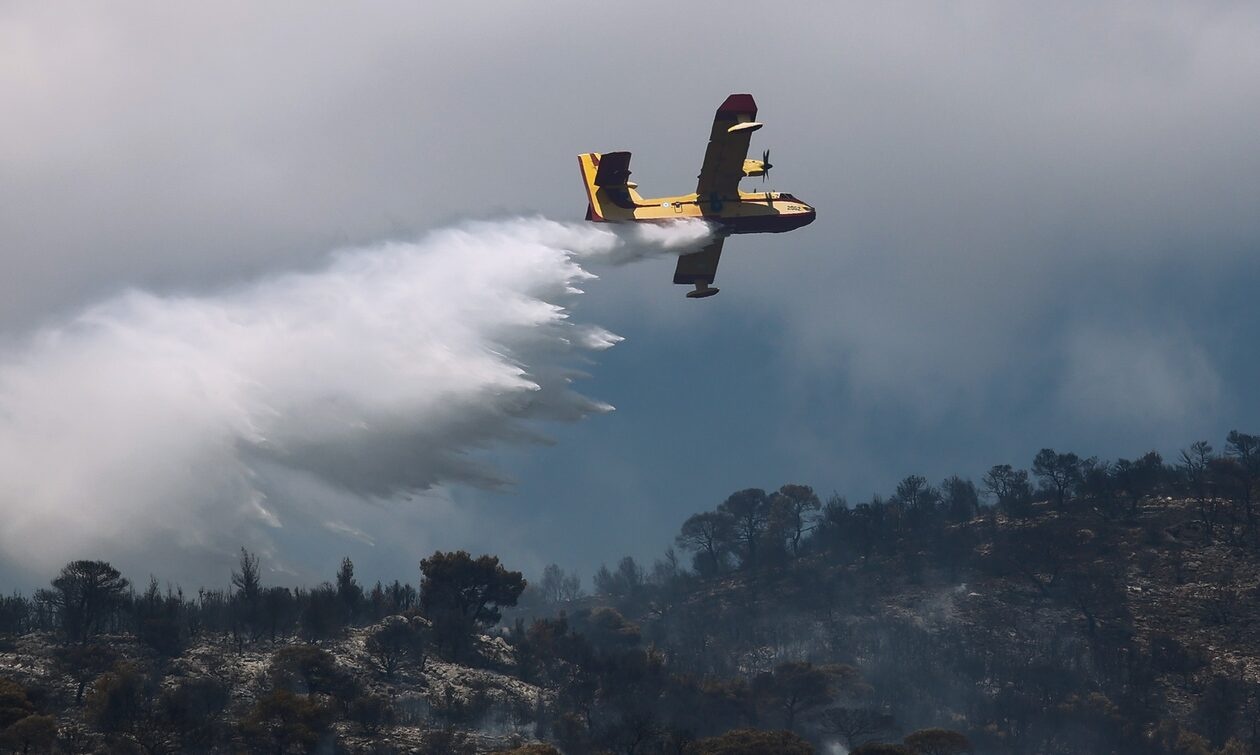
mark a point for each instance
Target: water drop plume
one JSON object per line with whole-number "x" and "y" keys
{"x": 162, "y": 432}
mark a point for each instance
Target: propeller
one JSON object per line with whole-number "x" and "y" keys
{"x": 765, "y": 165}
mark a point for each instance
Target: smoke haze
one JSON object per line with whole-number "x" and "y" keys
{"x": 191, "y": 425}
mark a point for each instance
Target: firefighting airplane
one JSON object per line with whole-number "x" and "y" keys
{"x": 613, "y": 197}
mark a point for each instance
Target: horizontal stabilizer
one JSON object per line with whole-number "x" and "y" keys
{"x": 613, "y": 169}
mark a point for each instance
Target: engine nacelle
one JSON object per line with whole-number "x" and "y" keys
{"x": 754, "y": 167}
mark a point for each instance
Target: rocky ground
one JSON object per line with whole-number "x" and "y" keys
{"x": 498, "y": 707}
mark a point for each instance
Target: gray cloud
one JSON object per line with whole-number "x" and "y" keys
{"x": 1137, "y": 378}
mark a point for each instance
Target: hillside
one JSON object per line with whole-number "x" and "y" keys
{"x": 1118, "y": 616}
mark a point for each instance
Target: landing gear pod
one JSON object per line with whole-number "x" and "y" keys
{"x": 702, "y": 290}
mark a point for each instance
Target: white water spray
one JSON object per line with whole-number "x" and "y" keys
{"x": 190, "y": 425}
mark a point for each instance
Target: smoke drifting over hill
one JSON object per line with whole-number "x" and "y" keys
{"x": 194, "y": 424}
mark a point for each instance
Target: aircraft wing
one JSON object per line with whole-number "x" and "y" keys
{"x": 701, "y": 266}
{"x": 728, "y": 146}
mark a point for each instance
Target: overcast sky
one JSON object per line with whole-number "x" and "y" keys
{"x": 1037, "y": 225}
